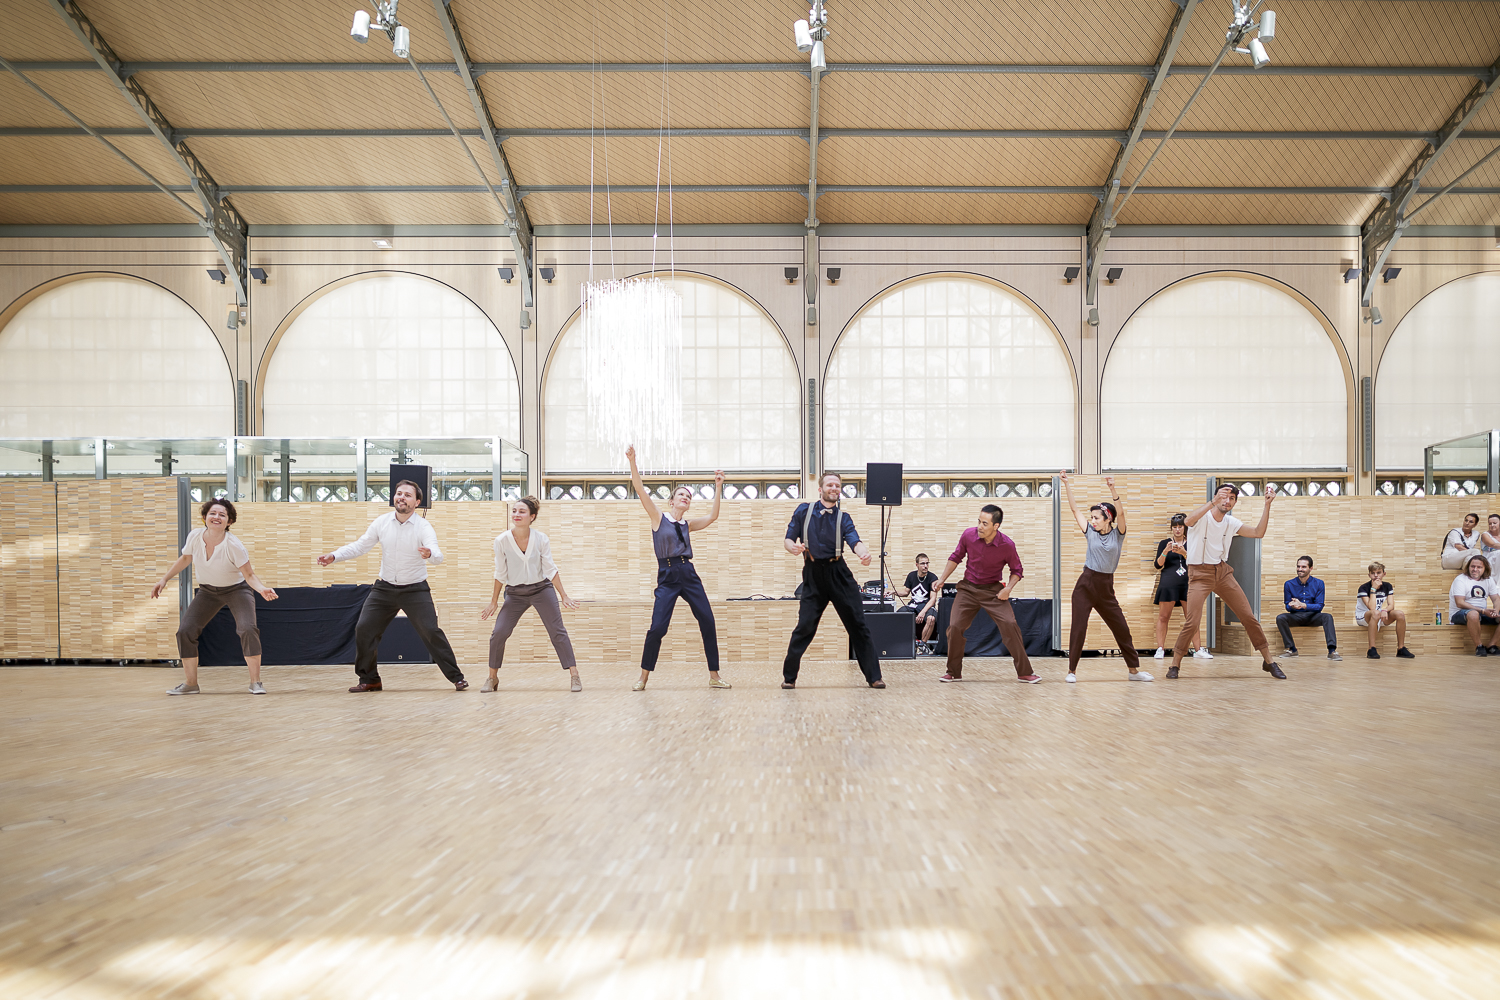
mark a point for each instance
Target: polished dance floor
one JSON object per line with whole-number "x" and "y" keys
{"x": 1330, "y": 837}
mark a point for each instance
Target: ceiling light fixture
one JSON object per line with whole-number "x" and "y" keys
{"x": 216, "y": 274}
{"x": 1390, "y": 274}
{"x": 259, "y": 274}
{"x": 1351, "y": 274}
{"x": 791, "y": 274}
{"x": 1243, "y": 24}
{"x": 384, "y": 19}
{"x": 506, "y": 273}
{"x": 1113, "y": 274}
{"x": 834, "y": 274}
{"x": 547, "y": 273}
{"x": 382, "y": 243}
{"x": 1375, "y": 316}
{"x": 809, "y": 34}
{"x": 1069, "y": 273}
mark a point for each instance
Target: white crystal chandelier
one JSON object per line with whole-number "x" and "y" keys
{"x": 632, "y": 331}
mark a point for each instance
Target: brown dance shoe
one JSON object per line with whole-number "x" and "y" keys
{"x": 460, "y": 685}
{"x": 788, "y": 685}
{"x": 362, "y": 687}
{"x": 877, "y": 684}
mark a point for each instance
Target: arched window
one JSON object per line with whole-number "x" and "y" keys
{"x": 392, "y": 355}
{"x": 1223, "y": 372}
{"x": 1436, "y": 381}
{"x": 740, "y": 404}
{"x": 949, "y": 374}
{"x": 112, "y": 357}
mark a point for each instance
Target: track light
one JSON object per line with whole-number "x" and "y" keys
{"x": 401, "y": 42}
{"x": 803, "y": 36}
{"x": 1258, "y": 55}
{"x": 1069, "y": 273}
{"x": 361, "y": 30}
{"x": 547, "y": 273}
{"x": 1351, "y": 274}
{"x": 791, "y": 274}
{"x": 1389, "y": 274}
{"x": 216, "y": 274}
{"x": 1375, "y": 317}
{"x": 1113, "y": 274}
{"x": 506, "y": 273}
{"x": 259, "y": 274}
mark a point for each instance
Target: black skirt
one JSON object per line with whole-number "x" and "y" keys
{"x": 1172, "y": 585}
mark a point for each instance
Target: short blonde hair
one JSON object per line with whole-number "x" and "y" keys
{"x": 1374, "y": 566}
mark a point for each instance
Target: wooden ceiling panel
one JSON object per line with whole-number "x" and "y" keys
{"x": 89, "y": 210}
{"x": 869, "y": 100}
{"x": 954, "y": 209}
{"x": 1358, "y": 32}
{"x": 1311, "y": 103}
{"x": 965, "y": 162}
{"x": 1462, "y": 155}
{"x": 305, "y": 162}
{"x": 1223, "y": 163}
{"x": 1243, "y": 210}
{"x": 88, "y": 95}
{"x": 1463, "y": 210}
{"x": 687, "y": 209}
{"x": 693, "y": 160}
{"x": 34, "y": 31}
{"x": 369, "y": 209}
{"x": 1488, "y": 119}
{"x": 307, "y": 100}
{"x": 634, "y": 100}
{"x": 83, "y": 160}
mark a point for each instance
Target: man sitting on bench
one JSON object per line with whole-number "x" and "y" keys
{"x": 1303, "y": 597}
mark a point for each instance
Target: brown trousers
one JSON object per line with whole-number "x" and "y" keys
{"x": 205, "y": 604}
{"x": 1216, "y": 579}
{"x": 966, "y": 605}
{"x": 1096, "y": 592}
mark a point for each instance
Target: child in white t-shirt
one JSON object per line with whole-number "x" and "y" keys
{"x": 1470, "y": 600}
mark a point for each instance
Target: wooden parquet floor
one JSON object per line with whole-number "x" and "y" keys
{"x": 1332, "y": 837}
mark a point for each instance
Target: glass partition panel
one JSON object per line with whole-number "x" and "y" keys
{"x": 513, "y": 469}
{"x": 200, "y": 459}
{"x": 70, "y": 458}
{"x": 1462, "y": 466}
{"x": 462, "y": 468}
{"x": 297, "y": 469}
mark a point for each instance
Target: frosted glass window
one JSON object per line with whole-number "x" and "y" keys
{"x": 392, "y": 355}
{"x": 740, "y": 402}
{"x": 1223, "y": 373}
{"x": 1436, "y": 380}
{"x": 112, "y": 357}
{"x": 949, "y": 374}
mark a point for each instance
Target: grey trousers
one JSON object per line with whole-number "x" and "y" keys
{"x": 543, "y": 597}
{"x": 206, "y": 603}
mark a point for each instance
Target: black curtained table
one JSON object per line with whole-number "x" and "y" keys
{"x": 982, "y": 637}
{"x": 307, "y": 625}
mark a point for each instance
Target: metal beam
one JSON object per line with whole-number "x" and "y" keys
{"x": 1103, "y": 221}
{"x": 1383, "y": 229}
{"x": 981, "y": 69}
{"x": 223, "y": 222}
{"x": 516, "y": 219}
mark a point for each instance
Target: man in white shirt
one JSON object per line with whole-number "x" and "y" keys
{"x": 407, "y": 545}
{"x": 1210, "y": 529}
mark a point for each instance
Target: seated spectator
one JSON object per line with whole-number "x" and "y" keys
{"x": 1467, "y": 599}
{"x": 1303, "y": 597}
{"x": 1489, "y": 544}
{"x": 1375, "y": 608}
{"x": 919, "y": 584}
{"x": 1460, "y": 542}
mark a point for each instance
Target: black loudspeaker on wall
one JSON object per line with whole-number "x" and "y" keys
{"x": 883, "y": 484}
{"x": 893, "y": 634}
{"x": 419, "y": 474}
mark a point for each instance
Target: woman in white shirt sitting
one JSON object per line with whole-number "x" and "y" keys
{"x": 1460, "y": 543}
{"x": 524, "y": 567}
{"x": 222, "y": 569}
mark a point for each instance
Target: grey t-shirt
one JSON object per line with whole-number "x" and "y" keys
{"x": 1104, "y": 551}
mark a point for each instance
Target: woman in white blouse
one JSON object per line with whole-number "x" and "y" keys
{"x": 222, "y": 569}
{"x": 524, "y": 567}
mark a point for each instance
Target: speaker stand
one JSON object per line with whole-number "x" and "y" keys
{"x": 885, "y": 532}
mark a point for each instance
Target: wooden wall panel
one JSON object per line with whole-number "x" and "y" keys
{"x": 114, "y": 538}
{"x": 28, "y": 570}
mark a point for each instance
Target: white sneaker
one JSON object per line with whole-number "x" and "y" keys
{"x": 1141, "y": 676}
{"x": 1160, "y": 653}
{"x": 1072, "y": 677}
{"x": 1202, "y": 653}
{"x": 256, "y": 687}
{"x": 184, "y": 688}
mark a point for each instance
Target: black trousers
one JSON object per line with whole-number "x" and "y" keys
{"x": 825, "y": 583}
{"x": 675, "y": 579}
{"x": 381, "y": 605}
{"x": 1285, "y": 621}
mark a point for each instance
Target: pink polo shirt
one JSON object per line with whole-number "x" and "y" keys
{"x": 986, "y": 561}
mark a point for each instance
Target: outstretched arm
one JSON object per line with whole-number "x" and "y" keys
{"x": 699, "y": 523}
{"x": 640, "y": 489}
{"x": 937, "y": 588}
{"x": 1114, "y": 495}
{"x": 248, "y": 572}
{"x": 1067, "y": 481}
{"x": 1265, "y": 517}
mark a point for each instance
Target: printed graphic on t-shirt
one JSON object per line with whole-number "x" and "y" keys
{"x": 1375, "y": 601}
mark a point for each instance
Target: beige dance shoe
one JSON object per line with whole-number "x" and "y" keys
{"x": 715, "y": 682}
{"x": 639, "y": 686}
{"x": 577, "y": 684}
{"x": 491, "y": 685}
{"x": 184, "y": 688}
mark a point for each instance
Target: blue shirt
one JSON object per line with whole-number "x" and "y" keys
{"x": 824, "y": 543}
{"x": 1310, "y": 593}
{"x": 670, "y": 538}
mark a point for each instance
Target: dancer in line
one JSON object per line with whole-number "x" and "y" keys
{"x": 221, "y": 566}
{"x": 524, "y": 567}
{"x": 1210, "y": 529}
{"x": 407, "y": 545}
{"x": 818, "y": 532}
{"x": 675, "y": 575}
{"x": 1104, "y": 534}
{"x": 1172, "y": 586}
{"x": 989, "y": 552}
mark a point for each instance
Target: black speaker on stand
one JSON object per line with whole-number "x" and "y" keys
{"x": 883, "y": 490}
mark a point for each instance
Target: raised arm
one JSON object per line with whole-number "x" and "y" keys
{"x": 1114, "y": 496}
{"x": 699, "y": 523}
{"x": 640, "y": 490}
{"x": 1259, "y": 530}
{"x": 1067, "y": 481}
{"x": 1196, "y": 514}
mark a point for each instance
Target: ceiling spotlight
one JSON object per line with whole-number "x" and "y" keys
{"x": 803, "y": 36}
{"x": 547, "y": 273}
{"x": 401, "y": 42}
{"x": 1093, "y": 317}
{"x": 506, "y": 274}
{"x": 1241, "y": 26}
{"x": 791, "y": 274}
{"x": 1113, "y": 274}
{"x": 259, "y": 274}
{"x": 1069, "y": 273}
{"x": 361, "y": 30}
{"x": 834, "y": 274}
{"x": 1267, "y": 29}
{"x": 818, "y": 62}
{"x": 1375, "y": 316}
{"x": 1390, "y": 274}
{"x": 216, "y": 274}
{"x": 1351, "y": 274}
{"x": 1258, "y": 55}
{"x": 383, "y": 243}
{"x": 809, "y": 34}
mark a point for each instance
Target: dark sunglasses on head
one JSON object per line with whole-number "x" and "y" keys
{"x": 1179, "y": 519}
